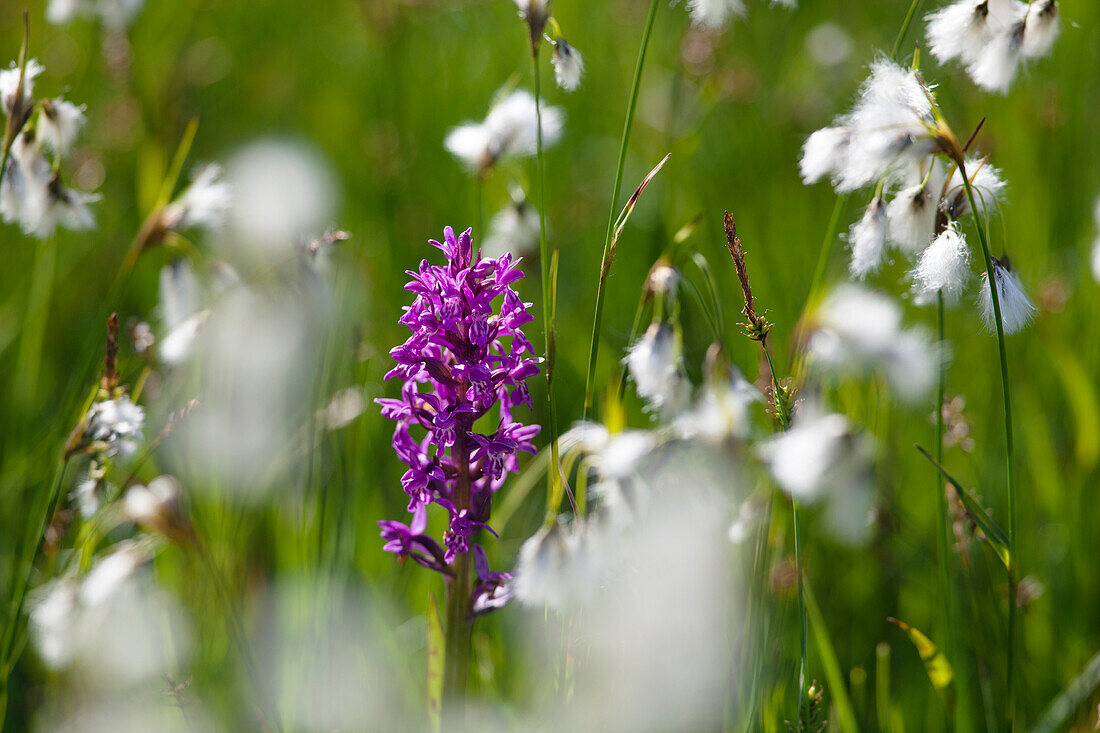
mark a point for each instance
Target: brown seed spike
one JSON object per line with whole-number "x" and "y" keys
{"x": 756, "y": 326}
{"x": 110, "y": 358}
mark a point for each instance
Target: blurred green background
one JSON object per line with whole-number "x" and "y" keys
{"x": 376, "y": 84}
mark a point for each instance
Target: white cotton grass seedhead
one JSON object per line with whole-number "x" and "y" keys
{"x": 889, "y": 126}
{"x": 721, "y": 411}
{"x": 1041, "y": 28}
{"x": 821, "y": 457}
{"x": 586, "y": 436}
{"x": 206, "y": 202}
{"x": 960, "y": 30}
{"x": 180, "y": 310}
{"x": 555, "y": 568}
{"x": 995, "y": 67}
{"x": 823, "y": 153}
{"x": 154, "y": 506}
{"x": 258, "y": 354}
{"x": 509, "y": 130}
{"x": 1017, "y": 312}
{"x": 59, "y": 124}
{"x": 714, "y": 14}
{"x": 26, "y": 182}
{"x": 867, "y": 240}
{"x": 943, "y": 267}
{"x": 113, "y": 626}
{"x": 282, "y": 191}
{"x": 829, "y": 44}
{"x": 654, "y": 363}
{"x": 114, "y": 427}
{"x": 912, "y": 218}
{"x": 65, "y": 207}
{"x": 9, "y": 85}
{"x": 661, "y": 591}
{"x": 87, "y": 493}
{"x": 114, "y": 14}
{"x": 859, "y": 331}
{"x": 568, "y": 65}
{"x": 985, "y": 180}
{"x": 515, "y": 229}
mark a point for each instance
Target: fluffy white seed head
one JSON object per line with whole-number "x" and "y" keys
{"x": 509, "y": 130}
{"x": 823, "y": 152}
{"x": 59, "y": 124}
{"x": 714, "y": 14}
{"x": 654, "y": 365}
{"x": 859, "y": 331}
{"x": 1016, "y": 308}
{"x": 1041, "y": 28}
{"x": 568, "y": 65}
{"x": 944, "y": 266}
{"x": 867, "y": 240}
{"x": 985, "y": 180}
{"x": 996, "y": 65}
{"x": 515, "y": 229}
{"x": 912, "y": 218}
{"x": 206, "y": 202}
{"x": 9, "y": 85}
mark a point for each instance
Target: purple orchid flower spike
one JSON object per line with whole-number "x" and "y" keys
{"x": 466, "y": 358}
{"x": 493, "y": 589}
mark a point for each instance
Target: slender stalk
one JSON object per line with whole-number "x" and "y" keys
{"x": 801, "y": 606}
{"x": 1006, "y": 393}
{"x": 456, "y": 659}
{"x": 21, "y": 578}
{"x": 548, "y": 305}
{"x": 597, "y": 318}
{"x": 904, "y": 30}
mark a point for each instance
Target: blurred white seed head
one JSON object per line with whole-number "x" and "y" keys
{"x": 944, "y": 266}
{"x": 515, "y": 229}
{"x": 9, "y": 85}
{"x": 509, "y": 130}
{"x": 206, "y": 202}
{"x": 180, "y": 311}
{"x": 867, "y": 240}
{"x": 87, "y": 492}
{"x": 714, "y": 14}
{"x": 721, "y": 410}
{"x": 1016, "y": 308}
{"x": 822, "y": 457}
{"x": 114, "y": 14}
{"x": 553, "y": 569}
{"x": 568, "y": 65}
{"x": 114, "y": 427}
{"x": 829, "y": 44}
{"x": 59, "y": 124}
{"x": 860, "y": 331}
{"x": 912, "y": 218}
{"x": 1041, "y": 28}
{"x": 986, "y": 182}
{"x": 996, "y": 65}
{"x": 282, "y": 192}
{"x": 654, "y": 363}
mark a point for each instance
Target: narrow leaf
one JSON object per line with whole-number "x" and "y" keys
{"x": 1071, "y": 699}
{"x": 998, "y": 540}
{"x": 935, "y": 663}
{"x": 436, "y": 650}
{"x": 633, "y": 201}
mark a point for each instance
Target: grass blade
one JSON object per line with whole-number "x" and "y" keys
{"x": 936, "y": 665}
{"x": 998, "y": 540}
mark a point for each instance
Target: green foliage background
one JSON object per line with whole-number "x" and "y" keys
{"x": 376, "y": 84}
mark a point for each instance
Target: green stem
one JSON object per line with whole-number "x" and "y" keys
{"x": 21, "y": 578}
{"x": 941, "y": 498}
{"x": 912, "y": 12}
{"x": 1006, "y": 393}
{"x": 28, "y": 362}
{"x": 548, "y": 305}
{"x": 597, "y": 319}
{"x": 801, "y": 607}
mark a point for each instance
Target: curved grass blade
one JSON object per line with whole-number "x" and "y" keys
{"x": 998, "y": 540}
{"x": 1070, "y": 699}
{"x": 939, "y": 670}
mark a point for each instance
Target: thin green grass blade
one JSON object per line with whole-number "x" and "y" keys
{"x": 939, "y": 670}
{"x": 998, "y": 540}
